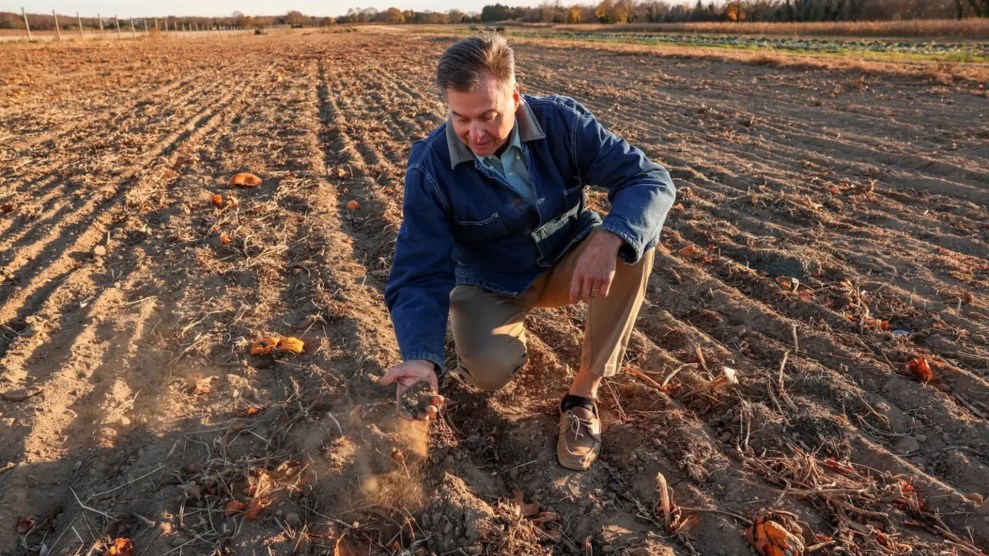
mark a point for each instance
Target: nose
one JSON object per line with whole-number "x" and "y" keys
{"x": 476, "y": 134}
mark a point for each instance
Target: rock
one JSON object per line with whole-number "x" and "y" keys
{"x": 293, "y": 519}
{"x": 99, "y": 251}
{"x": 907, "y": 445}
{"x": 20, "y": 395}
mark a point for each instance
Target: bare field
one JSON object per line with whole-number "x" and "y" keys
{"x": 832, "y": 226}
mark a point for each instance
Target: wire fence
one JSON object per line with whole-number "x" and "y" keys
{"x": 66, "y": 29}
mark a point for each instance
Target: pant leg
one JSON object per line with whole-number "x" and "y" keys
{"x": 609, "y": 321}
{"x": 489, "y": 334}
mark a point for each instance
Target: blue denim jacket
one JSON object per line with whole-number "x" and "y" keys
{"x": 464, "y": 225}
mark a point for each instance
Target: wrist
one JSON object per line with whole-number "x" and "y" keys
{"x": 610, "y": 239}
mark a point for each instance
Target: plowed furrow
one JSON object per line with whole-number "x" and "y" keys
{"x": 55, "y": 253}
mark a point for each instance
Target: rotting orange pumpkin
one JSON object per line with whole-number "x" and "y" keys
{"x": 291, "y": 345}
{"x": 264, "y": 346}
{"x": 773, "y": 539}
{"x": 245, "y": 179}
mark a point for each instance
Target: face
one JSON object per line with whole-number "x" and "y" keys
{"x": 484, "y": 117}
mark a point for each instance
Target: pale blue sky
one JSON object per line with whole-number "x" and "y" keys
{"x": 250, "y": 7}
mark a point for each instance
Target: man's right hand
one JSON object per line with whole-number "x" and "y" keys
{"x": 405, "y": 375}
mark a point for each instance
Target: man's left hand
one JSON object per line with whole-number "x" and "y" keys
{"x": 595, "y": 268}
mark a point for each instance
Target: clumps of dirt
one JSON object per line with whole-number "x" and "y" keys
{"x": 418, "y": 401}
{"x": 456, "y": 517}
{"x": 822, "y": 435}
{"x": 795, "y": 262}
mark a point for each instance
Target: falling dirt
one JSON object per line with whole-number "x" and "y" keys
{"x": 832, "y": 226}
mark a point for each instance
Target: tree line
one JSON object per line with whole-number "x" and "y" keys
{"x": 555, "y": 11}
{"x": 658, "y": 11}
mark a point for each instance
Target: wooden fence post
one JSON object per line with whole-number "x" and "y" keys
{"x": 116, "y": 21}
{"x": 145, "y": 26}
{"x": 58, "y": 32}
{"x": 79, "y": 23}
{"x": 133, "y": 29}
{"x": 27, "y": 25}
{"x": 100, "y": 19}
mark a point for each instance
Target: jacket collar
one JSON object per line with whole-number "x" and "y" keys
{"x": 525, "y": 120}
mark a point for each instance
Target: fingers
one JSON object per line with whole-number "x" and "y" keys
{"x": 575, "y": 286}
{"x": 392, "y": 375}
{"x": 585, "y": 288}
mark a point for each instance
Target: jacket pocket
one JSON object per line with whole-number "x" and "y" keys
{"x": 474, "y": 231}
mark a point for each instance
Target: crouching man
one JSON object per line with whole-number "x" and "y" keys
{"x": 495, "y": 225}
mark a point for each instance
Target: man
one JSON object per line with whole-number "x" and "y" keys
{"x": 495, "y": 225}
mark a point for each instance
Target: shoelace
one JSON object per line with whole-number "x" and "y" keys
{"x": 574, "y": 424}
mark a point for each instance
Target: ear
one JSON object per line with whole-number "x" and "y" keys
{"x": 516, "y": 97}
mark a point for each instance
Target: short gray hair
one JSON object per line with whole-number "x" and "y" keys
{"x": 468, "y": 61}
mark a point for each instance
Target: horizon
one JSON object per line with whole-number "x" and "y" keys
{"x": 225, "y": 8}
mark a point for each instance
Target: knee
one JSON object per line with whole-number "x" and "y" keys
{"x": 492, "y": 371}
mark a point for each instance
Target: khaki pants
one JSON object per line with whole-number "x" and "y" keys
{"x": 489, "y": 332}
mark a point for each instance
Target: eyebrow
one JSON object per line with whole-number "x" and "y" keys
{"x": 457, "y": 114}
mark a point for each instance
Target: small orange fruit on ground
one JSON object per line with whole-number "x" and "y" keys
{"x": 217, "y": 200}
{"x": 353, "y": 205}
{"x": 245, "y": 179}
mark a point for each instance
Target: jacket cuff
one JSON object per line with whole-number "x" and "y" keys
{"x": 631, "y": 251}
{"x": 436, "y": 360}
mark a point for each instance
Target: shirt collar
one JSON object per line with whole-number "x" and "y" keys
{"x": 513, "y": 142}
{"x": 526, "y": 128}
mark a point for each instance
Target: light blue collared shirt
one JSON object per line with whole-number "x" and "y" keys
{"x": 511, "y": 165}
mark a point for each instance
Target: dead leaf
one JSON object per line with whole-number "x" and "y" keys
{"x": 245, "y": 179}
{"x": 877, "y": 323}
{"x": 121, "y": 547}
{"x": 920, "y": 369}
{"x": 202, "y": 386}
{"x": 788, "y": 283}
{"x": 528, "y": 510}
{"x": 24, "y": 524}
{"x": 254, "y": 508}
{"x": 688, "y": 251}
{"x": 226, "y": 239}
{"x": 343, "y": 547}
{"x": 193, "y": 491}
{"x": 290, "y": 345}
{"x": 251, "y": 410}
{"x": 727, "y": 377}
{"x": 7, "y": 207}
{"x": 234, "y": 507}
